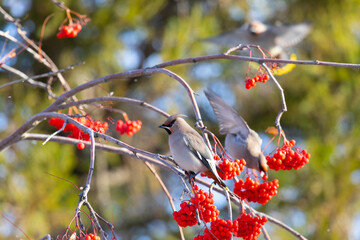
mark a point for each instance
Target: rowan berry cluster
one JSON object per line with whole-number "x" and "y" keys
{"x": 186, "y": 216}
{"x": 75, "y": 132}
{"x": 129, "y": 127}
{"x": 249, "y": 83}
{"x": 230, "y": 168}
{"x": 288, "y": 157}
{"x": 203, "y": 202}
{"x": 220, "y": 229}
{"x": 254, "y": 191}
{"x": 69, "y": 31}
{"x": 91, "y": 236}
{"x": 246, "y": 227}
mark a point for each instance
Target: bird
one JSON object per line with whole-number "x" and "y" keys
{"x": 189, "y": 150}
{"x": 273, "y": 38}
{"x": 240, "y": 141}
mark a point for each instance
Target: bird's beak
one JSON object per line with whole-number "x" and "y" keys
{"x": 263, "y": 173}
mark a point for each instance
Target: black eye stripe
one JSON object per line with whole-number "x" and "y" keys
{"x": 172, "y": 123}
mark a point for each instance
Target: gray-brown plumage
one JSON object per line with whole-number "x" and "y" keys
{"x": 272, "y": 38}
{"x": 189, "y": 149}
{"x": 240, "y": 140}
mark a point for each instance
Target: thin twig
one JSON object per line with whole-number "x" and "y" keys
{"x": 31, "y": 79}
{"x": 229, "y": 208}
{"x": 265, "y": 233}
{"x": 24, "y": 77}
{"x": 24, "y": 46}
{"x": 55, "y": 133}
{"x": 166, "y": 192}
{"x": 42, "y": 54}
{"x": 95, "y": 220}
{"x": 283, "y": 102}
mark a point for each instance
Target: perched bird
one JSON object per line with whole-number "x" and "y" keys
{"x": 240, "y": 140}
{"x": 189, "y": 149}
{"x": 272, "y": 38}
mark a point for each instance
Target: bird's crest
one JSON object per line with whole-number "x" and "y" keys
{"x": 171, "y": 119}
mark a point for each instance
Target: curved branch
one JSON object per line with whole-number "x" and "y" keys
{"x": 113, "y": 99}
{"x": 283, "y": 102}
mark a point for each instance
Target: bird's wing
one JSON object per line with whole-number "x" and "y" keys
{"x": 229, "y": 120}
{"x": 197, "y": 147}
{"x": 239, "y": 36}
{"x": 287, "y": 36}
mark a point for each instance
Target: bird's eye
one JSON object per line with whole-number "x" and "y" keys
{"x": 172, "y": 123}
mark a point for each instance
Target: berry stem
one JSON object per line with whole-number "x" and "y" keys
{"x": 126, "y": 118}
{"x": 69, "y": 16}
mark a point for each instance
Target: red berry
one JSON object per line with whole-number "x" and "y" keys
{"x": 77, "y": 27}
{"x": 81, "y": 145}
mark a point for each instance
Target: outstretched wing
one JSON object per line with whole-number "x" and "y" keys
{"x": 229, "y": 119}
{"x": 287, "y": 36}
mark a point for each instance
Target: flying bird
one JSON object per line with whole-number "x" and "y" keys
{"x": 273, "y": 38}
{"x": 189, "y": 150}
{"x": 240, "y": 140}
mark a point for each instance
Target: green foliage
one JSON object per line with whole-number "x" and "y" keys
{"x": 323, "y": 112}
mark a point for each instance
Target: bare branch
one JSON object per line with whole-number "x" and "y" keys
{"x": 43, "y": 55}
{"x": 253, "y": 59}
{"x": 113, "y": 99}
{"x": 31, "y": 79}
{"x": 162, "y": 184}
{"x": 24, "y": 46}
{"x": 25, "y": 78}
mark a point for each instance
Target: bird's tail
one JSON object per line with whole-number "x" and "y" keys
{"x": 217, "y": 179}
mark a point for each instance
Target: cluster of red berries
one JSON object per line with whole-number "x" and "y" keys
{"x": 259, "y": 78}
{"x": 76, "y": 133}
{"x": 288, "y": 157}
{"x": 186, "y": 216}
{"x": 254, "y": 191}
{"x": 230, "y": 168}
{"x": 69, "y": 31}
{"x": 91, "y": 236}
{"x": 220, "y": 229}
{"x": 203, "y": 202}
{"x": 129, "y": 127}
{"x": 246, "y": 227}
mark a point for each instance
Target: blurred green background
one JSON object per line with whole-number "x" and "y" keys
{"x": 321, "y": 201}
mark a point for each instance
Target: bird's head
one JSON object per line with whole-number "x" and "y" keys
{"x": 173, "y": 122}
{"x": 256, "y": 27}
